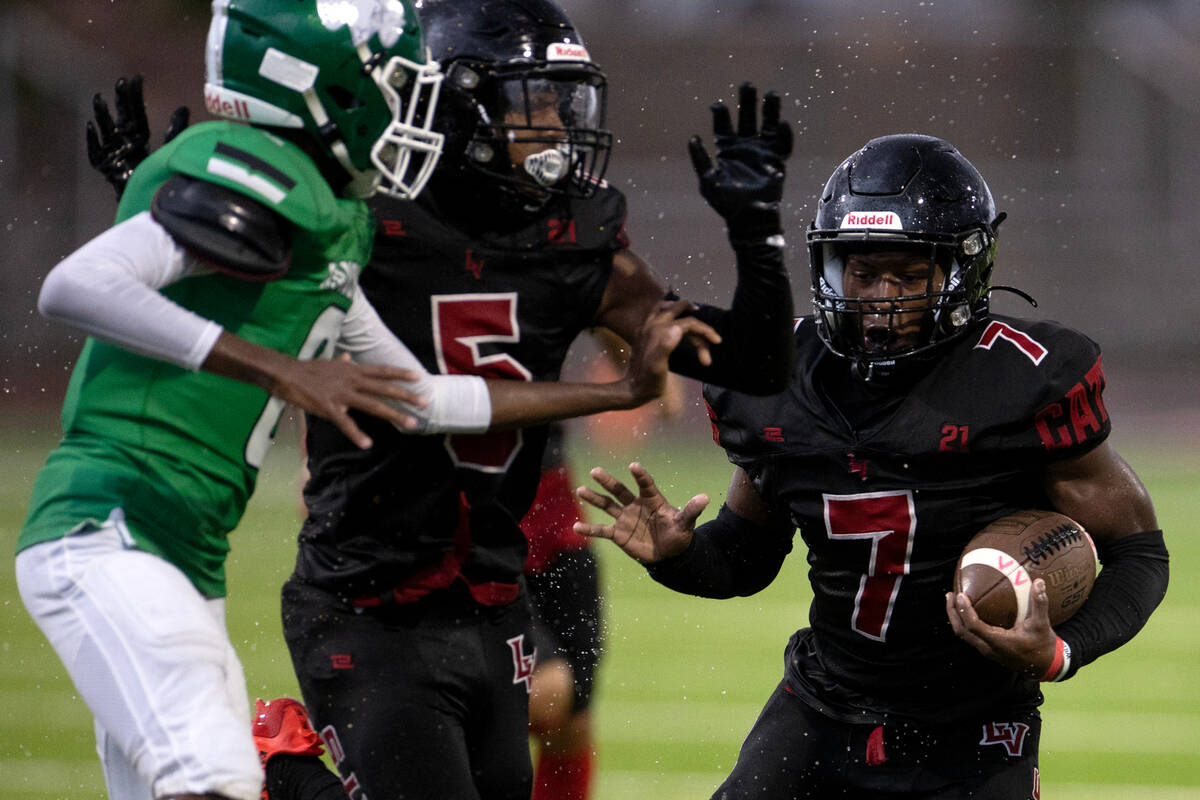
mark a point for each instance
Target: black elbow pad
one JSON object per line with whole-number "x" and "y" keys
{"x": 237, "y": 235}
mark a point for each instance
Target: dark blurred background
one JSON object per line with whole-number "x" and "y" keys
{"x": 1083, "y": 117}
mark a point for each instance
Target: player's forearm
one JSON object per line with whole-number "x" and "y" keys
{"x": 756, "y": 351}
{"x": 729, "y": 556}
{"x": 1129, "y": 587}
{"x": 234, "y": 357}
{"x": 517, "y": 404}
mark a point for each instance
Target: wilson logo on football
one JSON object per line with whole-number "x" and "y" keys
{"x": 872, "y": 219}
{"x": 564, "y": 51}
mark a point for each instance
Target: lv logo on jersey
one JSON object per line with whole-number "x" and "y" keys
{"x": 523, "y": 663}
{"x": 1009, "y": 734}
{"x": 473, "y": 265}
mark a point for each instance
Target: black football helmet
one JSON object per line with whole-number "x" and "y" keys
{"x": 517, "y": 71}
{"x": 899, "y": 192}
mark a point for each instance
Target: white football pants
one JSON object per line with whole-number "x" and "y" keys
{"x": 151, "y": 658}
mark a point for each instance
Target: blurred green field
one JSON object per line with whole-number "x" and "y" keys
{"x": 682, "y": 679}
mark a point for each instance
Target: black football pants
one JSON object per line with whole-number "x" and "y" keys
{"x": 565, "y": 598}
{"x": 794, "y": 751}
{"x": 417, "y": 701}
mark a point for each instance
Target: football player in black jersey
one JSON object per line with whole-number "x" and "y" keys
{"x": 406, "y": 615}
{"x": 913, "y": 418}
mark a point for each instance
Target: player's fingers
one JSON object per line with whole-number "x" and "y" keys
{"x": 777, "y": 132}
{"x": 93, "y": 144}
{"x": 672, "y": 337}
{"x": 104, "y": 121}
{"x": 400, "y": 393}
{"x": 347, "y": 426}
{"x": 692, "y": 511}
{"x": 770, "y": 111}
{"x": 180, "y": 118}
{"x": 966, "y": 614}
{"x": 370, "y": 404}
{"x": 1039, "y": 606}
{"x": 593, "y": 530}
{"x": 391, "y": 386}
{"x": 960, "y": 613}
{"x": 600, "y": 501}
{"x": 613, "y": 486}
{"x": 669, "y": 309}
{"x": 385, "y": 372}
{"x": 645, "y": 482}
{"x": 131, "y": 109}
{"x": 956, "y": 623}
{"x": 703, "y": 351}
{"x": 783, "y": 140}
{"x": 966, "y": 610}
{"x": 747, "y": 110}
{"x": 701, "y": 162}
{"x": 696, "y": 328}
{"x": 722, "y": 124}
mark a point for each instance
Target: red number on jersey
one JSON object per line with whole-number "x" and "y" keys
{"x": 462, "y": 323}
{"x": 889, "y": 520}
{"x": 1031, "y": 347}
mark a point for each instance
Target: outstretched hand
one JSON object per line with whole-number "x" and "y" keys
{"x": 1027, "y": 647}
{"x": 745, "y": 183}
{"x": 646, "y": 526}
{"x": 116, "y": 147}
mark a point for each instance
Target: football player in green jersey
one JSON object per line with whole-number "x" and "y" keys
{"x": 221, "y": 294}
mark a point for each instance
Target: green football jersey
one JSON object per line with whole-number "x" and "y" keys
{"x": 177, "y": 450}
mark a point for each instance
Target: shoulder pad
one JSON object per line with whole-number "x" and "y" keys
{"x": 234, "y": 233}
{"x": 265, "y": 168}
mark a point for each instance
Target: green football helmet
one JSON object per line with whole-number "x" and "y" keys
{"x": 355, "y": 74}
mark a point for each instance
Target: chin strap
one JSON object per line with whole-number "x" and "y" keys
{"x": 1028, "y": 298}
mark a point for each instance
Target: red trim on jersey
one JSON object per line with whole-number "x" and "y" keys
{"x": 445, "y": 572}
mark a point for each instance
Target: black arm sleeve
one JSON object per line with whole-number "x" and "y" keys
{"x": 1130, "y": 586}
{"x": 755, "y": 354}
{"x": 728, "y": 557}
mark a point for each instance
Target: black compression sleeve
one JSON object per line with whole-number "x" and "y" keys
{"x": 1130, "y": 586}
{"x": 756, "y": 351}
{"x": 728, "y": 557}
{"x": 302, "y": 778}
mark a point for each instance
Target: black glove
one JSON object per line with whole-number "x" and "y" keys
{"x": 116, "y": 148}
{"x": 745, "y": 185}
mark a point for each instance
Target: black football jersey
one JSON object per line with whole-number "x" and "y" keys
{"x": 885, "y": 498}
{"x": 423, "y": 509}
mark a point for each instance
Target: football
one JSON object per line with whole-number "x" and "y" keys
{"x": 1000, "y": 563}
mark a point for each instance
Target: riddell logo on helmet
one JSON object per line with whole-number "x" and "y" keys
{"x": 872, "y": 219}
{"x": 225, "y": 106}
{"x": 563, "y": 51}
